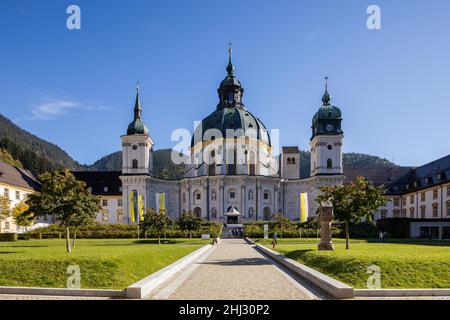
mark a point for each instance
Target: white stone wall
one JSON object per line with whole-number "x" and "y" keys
{"x": 15, "y": 195}
{"x": 413, "y": 209}
{"x": 112, "y": 210}
{"x": 325, "y": 147}
{"x": 137, "y": 147}
{"x": 290, "y": 170}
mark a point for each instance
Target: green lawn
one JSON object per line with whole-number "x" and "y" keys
{"x": 104, "y": 264}
{"x": 403, "y": 264}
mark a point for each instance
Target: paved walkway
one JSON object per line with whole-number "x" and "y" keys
{"x": 235, "y": 270}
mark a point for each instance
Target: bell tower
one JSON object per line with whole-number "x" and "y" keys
{"x": 137, "y": 146}
{"x": 326, "y": 139}
{"x": 137, "y": 166}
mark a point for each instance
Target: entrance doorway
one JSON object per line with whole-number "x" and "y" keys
{"x": 232, "y": 220}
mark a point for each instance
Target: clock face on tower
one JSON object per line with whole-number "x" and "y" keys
{"x": 329, "y": 127}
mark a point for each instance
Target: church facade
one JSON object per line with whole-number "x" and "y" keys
{"x": 232, "y": 175}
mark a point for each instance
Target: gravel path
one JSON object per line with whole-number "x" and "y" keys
{"x": 234, "y": 270}
{"x": 40, "y": 297}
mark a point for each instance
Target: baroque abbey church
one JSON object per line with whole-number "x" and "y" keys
{"x": 230, "y": 178}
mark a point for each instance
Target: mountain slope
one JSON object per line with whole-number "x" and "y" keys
{"x": 31, "y": 143}
{"x": 164, "y": 168}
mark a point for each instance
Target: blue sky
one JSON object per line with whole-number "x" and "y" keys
{"x": 76, "y": 88}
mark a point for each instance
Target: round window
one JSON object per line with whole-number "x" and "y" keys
{"x": 329, "y": 147}
{"x": 134, "y": 147}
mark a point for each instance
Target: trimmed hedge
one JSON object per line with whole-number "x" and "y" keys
{"x": 8, "y": 237}
{"x": 360, "y": 230}
{"x": 120, "y": 231}
{"x": 398, "y": 228}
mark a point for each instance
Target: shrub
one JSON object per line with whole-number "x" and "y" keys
{"x": 395, "y": 227}
{"x": 120, "y": 231}
{"x": 8, "y": 237}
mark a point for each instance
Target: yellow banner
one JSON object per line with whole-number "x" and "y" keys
{"x": 160, "y": 201}
{"x": 303, "y": 207}
{"x": 141, "y": 208}
{"x": 131, "y": 207}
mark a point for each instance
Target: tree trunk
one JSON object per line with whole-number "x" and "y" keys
{"x": 190, "y": 235}
{"x": 347, "y": 235}
{"x": 74, "y": 238}
{"x": 69, "y": 250}
{"x": 159, "y": 239}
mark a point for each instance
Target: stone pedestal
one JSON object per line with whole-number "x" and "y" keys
{"x": 325, "y": 218}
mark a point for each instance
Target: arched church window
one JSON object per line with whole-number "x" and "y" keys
{"x": 288, "y": 160}
{"x": 134, "y": 164}
{"x": 293, "y": 161}
{"x": 329, "y": 164}
{"x": 213, "y": 213}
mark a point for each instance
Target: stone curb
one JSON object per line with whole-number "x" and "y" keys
{"x": 63, "y": 292}
{"x": 332, "y": 286}
{"x": 143, "y": 287}
{"x": 401, "y": 292}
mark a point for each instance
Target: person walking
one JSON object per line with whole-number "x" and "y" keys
{"x": 381, "y": 235}
{"x": 274, "y": 240}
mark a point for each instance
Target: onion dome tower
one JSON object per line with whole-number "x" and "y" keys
{"x": 326, "y": 139}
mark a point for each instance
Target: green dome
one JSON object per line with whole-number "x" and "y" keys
{"x": 327, "y": 113}
{"x": 137, "y": 127}
{"x": 232, "y": 118}
{"x": 230, "y": 81}
{"x": 328, "y": 119}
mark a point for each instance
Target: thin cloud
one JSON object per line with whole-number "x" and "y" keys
{"x": 53, "y": 108}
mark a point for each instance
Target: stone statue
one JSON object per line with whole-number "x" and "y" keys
{"x": 325, "y": 218}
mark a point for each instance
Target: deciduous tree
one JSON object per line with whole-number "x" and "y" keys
{"x": 280, "y": 223}
{"x": 65, "y": 198}
{"x": 353, "y": 202}
{"x": 189, "y": 222}
{"x": 21, "y": 215}
{"x": 156, "y": 222}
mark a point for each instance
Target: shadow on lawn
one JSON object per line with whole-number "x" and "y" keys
{"x": 155, "y": 241}
{"x": 424, "y": 242}
{"x": 297, "y": 253}
{"x": 29, "y": 246}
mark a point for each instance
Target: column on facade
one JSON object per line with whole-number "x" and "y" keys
{"x": 275, "y": 201}
{"x": 221, "y": 195}
{"x": 205, "y": 203}
{"x": 189, "y": 197}
{"x": 243, "y": 202}
{"x": 259, "y": 211}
